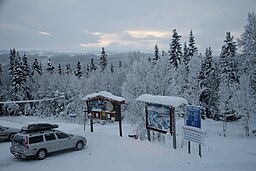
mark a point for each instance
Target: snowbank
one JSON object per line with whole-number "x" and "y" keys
{"x": 109, "y": 152}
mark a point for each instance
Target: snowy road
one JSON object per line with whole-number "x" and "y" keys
{"x": 109, "y": 152}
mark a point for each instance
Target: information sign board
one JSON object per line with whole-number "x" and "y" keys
{"x": 193, "y": 116}
{"x": 158, "y": 117}
{"x": 193, "y": 134}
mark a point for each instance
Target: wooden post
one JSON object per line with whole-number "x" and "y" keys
{"x": 117, "y": 108}
{"x": 84, "y": 119}
{"x": 189, "y": 147}
{"x": 84, "y": 124}
{"x": 91, "y": 123}
{"x": 90, "y": 115}
{"x": 173, "y": 127}
{"x": 224, "y": 125}
{"x": 200, "y": 151}
{"x": 148, "y": 133}
{"x": 120, "y": 125}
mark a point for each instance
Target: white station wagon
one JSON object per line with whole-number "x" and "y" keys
{"x": 40, "y": 139}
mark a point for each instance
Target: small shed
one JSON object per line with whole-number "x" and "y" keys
{"x": 104, "y": 105}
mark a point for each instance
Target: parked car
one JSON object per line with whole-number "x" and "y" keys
{"x": 7, "y": 132}
{"x": 38, "y": 140}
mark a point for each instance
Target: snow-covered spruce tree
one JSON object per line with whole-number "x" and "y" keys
{"x": 50, "y": 67}
{"x": 247, "y": 42}
{"x": 25, "y": 65}
{"x": 36, "y": 68}
{"x": 186, "y": 56}
{"x": 92, "y": 65}
{"x": 156, "y": 54}
{"x": 13, "y": 61}
{"x": 192, "y": 49}
{"x": 184, "y": 71}
{"x": 120, "y": 64}
{"x": 103, "y": 60}
{"x": 248, "y": 73}
{"x": 163, "y": 53}
{"x": 60, "y": 70}
{"x": 48, "y": 81}
{"x": 186, "y": 84}
{"x": 112, "y": 68}
{"x": 40, "y": 67}
{"x": 229, "y": 81}
{"x": 175, "y": 50}
{"x": 18, "y": 78}
{"x": 78, "y": 72}
{"x": 209, "y": 85}
{"x": 29, "y": 82}
{"x": 117, "y": 79}
{"x": 36, "y": 75}
{"x": 87, "y": 71}
{"x": 246, "y": 98}
{"x": 68, "y": 69}
{"x": 185, "y": 74}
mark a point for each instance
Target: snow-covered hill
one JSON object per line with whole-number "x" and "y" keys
{"x": 109, "y": 152}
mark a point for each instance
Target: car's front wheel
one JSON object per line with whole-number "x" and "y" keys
{"x": 79, "y": 145}
{"x": 41, "y": 154}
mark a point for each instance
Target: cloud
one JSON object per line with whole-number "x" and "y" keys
{"x": 83, "y": 44}
{"x": 22, "y": 28}
{"x": 93, "y": 33}
{"x": 12, "y": 26}
{"x": 105, "y": 39}
{"x": 146, "y": 33}
{"x": 135, "y": 39}
{"x": 43, "y": 33}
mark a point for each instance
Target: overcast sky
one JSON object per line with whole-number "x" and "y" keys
{"x": 119, "y": 25}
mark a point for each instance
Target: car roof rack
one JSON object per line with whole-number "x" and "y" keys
{"x": 35, "y": 127}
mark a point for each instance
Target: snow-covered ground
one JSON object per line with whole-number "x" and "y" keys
{"x": 107, "y": 151}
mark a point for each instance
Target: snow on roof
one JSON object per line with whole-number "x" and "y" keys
{"x": 104, "y": 94}
{"x": 164, "y": 100}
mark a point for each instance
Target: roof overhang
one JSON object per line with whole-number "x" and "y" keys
{"x": 105, "y": 96}
{"x": 163, "y": 100}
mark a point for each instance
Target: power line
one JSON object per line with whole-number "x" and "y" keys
{"x": 28, "y": 101}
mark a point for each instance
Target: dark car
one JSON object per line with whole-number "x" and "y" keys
{"x": 7, "y": 132}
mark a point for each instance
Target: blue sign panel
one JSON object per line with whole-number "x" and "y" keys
{"x": 193, "y": 116}
{"x": 97, "y": 105}
{"x": 158, "y": 117}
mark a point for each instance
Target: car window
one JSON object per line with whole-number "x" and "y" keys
{"x": 49, "y": 136}
{"x": 61, "y": 135}
{"x": 35, "y": 139}
{"x": 19, "y": 139}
